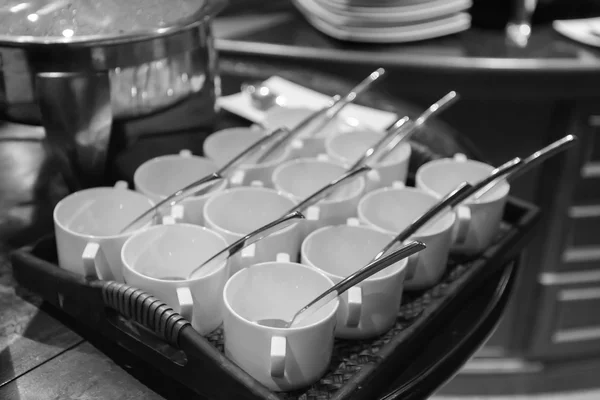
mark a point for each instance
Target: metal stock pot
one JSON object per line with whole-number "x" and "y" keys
{"x": 75, "y": 66}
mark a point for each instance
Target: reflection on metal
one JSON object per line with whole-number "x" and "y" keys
{"x": 76, "y": 112}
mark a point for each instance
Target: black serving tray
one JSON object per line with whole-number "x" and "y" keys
{"x": 150, "y": 329}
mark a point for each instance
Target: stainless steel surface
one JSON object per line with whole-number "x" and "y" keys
{"x": 370, "y": 269}
{"x": 251, "y": 238}
{"x": 323, "y": 116}
{"x": 449, "y": 201}
{"x": 410, "y": 129}
{"x": 311, "y": 118}
{"x": 537, "y": 157}
{"x": 327, "y": 189}
{"x": 154, "y": 55}
{"x": 77, "y": 116}
{"x": 204, "y": 184}
{"x": 339, "y": 105}
{"x": 390, "y": 133}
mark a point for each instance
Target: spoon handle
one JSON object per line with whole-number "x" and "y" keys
{"x": 253, "y": 237}
{"x": 449, "y": 201}
{"x": 439, "y": 106}
{"x": 543, "y": 154}
{"x": 252, "y": 149}
{"x": 327, "y": 189}
{"x": 203, "y": 183}
{"x": 370, "y": 269}
{"x": 296, "y": 130}
{"x": 338, "y": 106}
{"x": 390, "y": 133}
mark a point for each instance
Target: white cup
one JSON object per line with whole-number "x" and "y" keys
{"x": 300, "y": 178}
{"x": 370, "y": 308}
{"x": 305, "y": 146}
{"x": 162, "y": 176}
{"x": 480, "y": 220}
{"x": 392, "y": 210}
{"x": 224, "y": 145}
{"x": 159, "y": 259}
{"x": 87, "y": 225}
{"x": 348, "y": 147}
{"x": 236, "y": 212}
{"x": 281, "y": 359}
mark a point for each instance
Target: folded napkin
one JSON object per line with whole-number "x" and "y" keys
{"x": 585, "y": 30}
{"x": 298, "y": 96}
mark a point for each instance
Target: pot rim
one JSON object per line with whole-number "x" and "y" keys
{"x": 209, "y": 9}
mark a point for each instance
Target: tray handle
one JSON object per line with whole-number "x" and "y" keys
{"x": 144, "y": 309}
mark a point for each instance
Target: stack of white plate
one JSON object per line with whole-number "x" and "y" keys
{"x": 386, "y": 21}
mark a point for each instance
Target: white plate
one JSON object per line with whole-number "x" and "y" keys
{"x": 299, "y": 96}
{"x": 329, "y": 10}
{"x": 404, "y": 33}
{"x": 580, "y": 30}
{"x": 378, "y": 3}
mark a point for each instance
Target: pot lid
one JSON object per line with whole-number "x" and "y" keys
{"x": 50, "y": 21}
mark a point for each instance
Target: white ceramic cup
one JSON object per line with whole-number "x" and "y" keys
{"x": 224, "y": 145}
{"x": 392, "y": 210}
{"x": 236, "y": 212}
{"x": 370, "y": 308}
{"x": 87, "y": 225}
{"x": 480, "y": 220}
{"x": 162, "y": 176}
{"x": 305, "y": 146}
{"x": 156, "y": 260}
{"x": 281, "y": 359}
{"x": 300, "y": 178}
{"x": 348, "y": 147}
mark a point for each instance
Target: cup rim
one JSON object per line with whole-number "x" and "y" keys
{"x": 209, "y": 221}
{"x": 62, "y": 202}
{"x": 247, "y": 322}
{"x": 210, "y": 138}
{"x": 127, "y": 243}
{"x": 143, "y": 188}
{"x": 360, "y": 188}
{"x": 389, "y": 273}
{"x": 387, "y": 163}
{"x": 502, "y": 189}
{"x": 427, "y": 234}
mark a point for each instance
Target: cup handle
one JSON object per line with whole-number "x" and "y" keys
{"x": 411, "y": 266}
{"x": 237, "y": 178}
{"x": 277, "y": 356}
{"x": 186, "y": 302}
{"x": 463, "y": 222}
{"x": 121, "y": 185}
{"x": 95, "y": 264}
{"x": 247, "y": 254}
{"x": 354, "y": 306}
{"x": 178, "y": 212}
{"x": 372, "y": 180}
{"x": 185, "y": 153}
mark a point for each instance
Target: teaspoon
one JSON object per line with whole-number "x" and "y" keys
{"x": 326, "y": 114}
{"x": 200, "y": 186}
{"x": 543, "y": 154}
{"x": 437, "y": 107}
{"x": 336, "y": 290}
{"x": 251, "y": 238}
